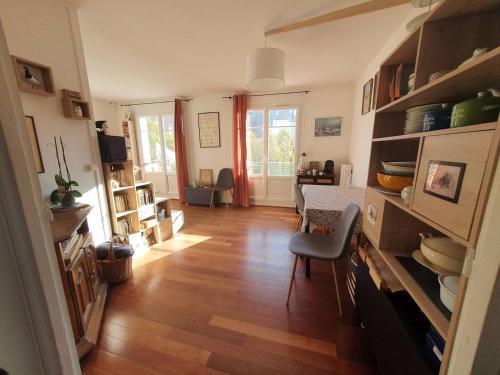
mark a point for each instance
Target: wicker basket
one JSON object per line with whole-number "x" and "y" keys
{"x": 114, "y": 270}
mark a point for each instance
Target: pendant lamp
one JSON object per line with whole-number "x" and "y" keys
{"x": 265, "y": 69}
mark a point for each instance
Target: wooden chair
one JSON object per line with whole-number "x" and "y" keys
{"x": 299, "y": 202}
{"x": 328, "y": 248}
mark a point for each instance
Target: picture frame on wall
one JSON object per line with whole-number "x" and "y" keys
{"x": 35, "y": 147}
{"x": 444, "y": 179}
{"x": 367, "y": 97}
{"x": 33, "y": 77}
{"x": 209, "y": 129}
{"x": 206, "y": 177}
{"x": 375, "y": 90}
{"x": 327, "y": 126}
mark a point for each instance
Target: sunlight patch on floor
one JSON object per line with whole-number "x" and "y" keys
{"x": 180, "y": 241}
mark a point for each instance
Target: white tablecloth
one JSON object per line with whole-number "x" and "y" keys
{"x": 324, "y": 204}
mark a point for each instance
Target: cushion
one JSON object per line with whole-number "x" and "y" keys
{"x": 120, "y": 250}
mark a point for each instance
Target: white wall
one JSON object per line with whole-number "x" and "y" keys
{"x": 42, "y": 31}
{"x": 362, "y": 125}
{"x": 320, "y": 102}
{"x": 109, "y": 112}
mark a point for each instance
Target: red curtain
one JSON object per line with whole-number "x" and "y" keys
{"x": 240, "y": 151}
{"x": 180, "y": 151}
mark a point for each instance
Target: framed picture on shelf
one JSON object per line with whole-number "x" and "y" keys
{"x": 35, "y": 147}
{"x": 327, "y": 126}
{"x": 375, "y": 90}
{"x": 367, "y": 97}
{"x": 206, "y": 177}
{"x": 444, "y": 179}
{"x": 209, "y": 129}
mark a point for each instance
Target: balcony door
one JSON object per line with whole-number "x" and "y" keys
{"x": 157, "y": 152}
{"x": 271, "y": 153}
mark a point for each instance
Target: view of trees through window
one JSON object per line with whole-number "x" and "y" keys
{"x": 280, "y": 134}
{"x": 156, "y": 131}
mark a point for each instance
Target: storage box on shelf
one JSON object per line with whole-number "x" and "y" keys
{"x": 448, "y": 37}
{"x": 133, "y": 208}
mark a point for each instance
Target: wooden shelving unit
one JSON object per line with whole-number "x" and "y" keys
{"x": 71, "y": 101}
{"x": 446, "y": 38}
{"x": 142, "y": 211}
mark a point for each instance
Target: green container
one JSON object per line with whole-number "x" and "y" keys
{"x": 480, "y": 110}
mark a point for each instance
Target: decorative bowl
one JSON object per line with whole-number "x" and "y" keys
{"x": 394, "y": 183}
{"x": 400, "y": 168}
{"x": 448, "y": 289}
{"x": 443, "y": 252}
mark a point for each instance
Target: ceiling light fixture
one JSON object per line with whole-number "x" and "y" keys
{"x": 265, "y": 69}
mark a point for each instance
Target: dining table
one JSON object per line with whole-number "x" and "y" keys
{"x": 324, "y": 206}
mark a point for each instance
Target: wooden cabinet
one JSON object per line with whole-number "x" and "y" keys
{"x": 85, "y": 293}
{"x": 469, "y": 150}
{"x": 92, "y": 269}
{"x": 81, "y": 290}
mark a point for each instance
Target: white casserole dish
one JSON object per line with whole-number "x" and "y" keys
{"x": 448, "y": 290}
{"x": 443, "y": 252}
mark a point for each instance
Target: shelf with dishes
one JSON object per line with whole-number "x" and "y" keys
{"x": 421, "y": 258}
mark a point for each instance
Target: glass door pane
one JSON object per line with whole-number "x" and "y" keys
{"x": 168, "y": 135}
{"x": 281, "y": 141}
{"x": 151, "y": 144}
{"x": 255, "y": 143}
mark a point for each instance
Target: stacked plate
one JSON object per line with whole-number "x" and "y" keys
{"x": 399, "y": 168}
{"x": 415, "y": 117}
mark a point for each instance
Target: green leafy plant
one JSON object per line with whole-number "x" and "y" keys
{"x": 63, "y": 186}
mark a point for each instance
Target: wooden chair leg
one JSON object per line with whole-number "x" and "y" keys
{"x": 292, "y": 278}
{"x": 212, "y": 199}
{"x": 337, "y": 287}
{"x": 299, "y": 220}
{"x": 225, "y": 198}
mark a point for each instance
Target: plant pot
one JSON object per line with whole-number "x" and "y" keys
{"x": 68, "y": 199}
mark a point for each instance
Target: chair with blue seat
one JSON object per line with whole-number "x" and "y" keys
{"x": 328, "y": 248}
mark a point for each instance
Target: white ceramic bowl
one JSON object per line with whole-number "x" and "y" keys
{"x": 443, "y": 252}
{"x": 448, "y": 290}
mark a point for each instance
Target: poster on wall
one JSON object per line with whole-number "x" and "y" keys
{"x": 327, "y": 126}
{"x": 209, "y": 129}
{"x": 367, "y": 96}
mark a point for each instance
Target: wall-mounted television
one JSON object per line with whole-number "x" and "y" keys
{"x": 113, "y": 148}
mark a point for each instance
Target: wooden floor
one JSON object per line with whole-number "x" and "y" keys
{"x": 212, "y": 301}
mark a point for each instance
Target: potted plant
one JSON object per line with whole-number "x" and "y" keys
{"x": 64, "y": 194}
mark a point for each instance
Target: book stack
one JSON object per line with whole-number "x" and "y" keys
{"x": 144, "y": 197}
{"x": 123, "y": 226}
{"x": 119, "y": 177}
{"x": 121, "y": 202}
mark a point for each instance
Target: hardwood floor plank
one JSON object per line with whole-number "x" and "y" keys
{"x": 211, "y": 301}
{"x": 276, "y": 335}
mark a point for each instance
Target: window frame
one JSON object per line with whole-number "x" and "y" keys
{"x": 266, "y": 108}
{"x": 159, "y": 115}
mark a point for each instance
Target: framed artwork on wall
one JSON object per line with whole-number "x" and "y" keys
{"x": 375, "y": 90}
{"x": 327, "y": 126}
{"x": 367, "y": 97}
{"x": 209, "y": 129}
{"x": 33, "y": 77}
{"x": 206, "y": 178}
{"x": 35, "y": 147}
{"x": 444, "y": 179}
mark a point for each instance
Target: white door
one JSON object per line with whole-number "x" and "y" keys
{"x": 157, "y": 152}
{"x": 271, "y": 154}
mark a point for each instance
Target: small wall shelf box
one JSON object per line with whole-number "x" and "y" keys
{"x": 73, "y": 105}
{"x": 41, "y": 83}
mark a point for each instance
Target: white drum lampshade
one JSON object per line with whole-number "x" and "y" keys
{"x": 266, "y": 69}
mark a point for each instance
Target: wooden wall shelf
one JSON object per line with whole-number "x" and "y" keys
{"x": 70, "y": 100}
{"x": 461, "y": 83}
{"x": 449, "y": 35}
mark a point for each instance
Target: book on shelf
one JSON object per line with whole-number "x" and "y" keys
{"x": 144, "y": 197}
{"x": 121, "y": 202}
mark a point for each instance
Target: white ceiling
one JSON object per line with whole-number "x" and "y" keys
{"x": 165, "y": 48}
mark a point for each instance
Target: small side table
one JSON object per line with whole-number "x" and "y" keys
{"x": 305, "y": 179}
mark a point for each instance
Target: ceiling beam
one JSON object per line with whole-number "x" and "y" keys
{"x": 356, "y": 10}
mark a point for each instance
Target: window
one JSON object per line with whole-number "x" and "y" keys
{"x": 271, "y": 138}
{"x": 255, "y": 143}
{"x": 157, "y": 143}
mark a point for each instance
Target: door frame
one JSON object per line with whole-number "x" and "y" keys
{"x": 256, "y": 105}
{"x": 28, "y": 236}
{"x": 159, "y": 114}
